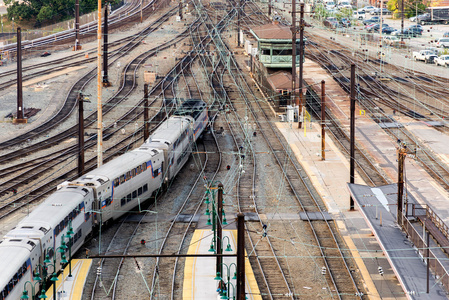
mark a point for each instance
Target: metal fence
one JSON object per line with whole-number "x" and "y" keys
{"x": 435, "y": 265}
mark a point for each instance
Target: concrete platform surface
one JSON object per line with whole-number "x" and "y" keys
{"x": 199, "y": 272}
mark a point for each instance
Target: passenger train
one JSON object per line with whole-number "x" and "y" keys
{"x": 95, "y": 198}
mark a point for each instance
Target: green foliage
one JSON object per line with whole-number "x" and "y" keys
{"x": 49, "y": 11}
{"x": 344, "y": 13}
{"x": 321, "y": 12}
{"x": 411, "y": 7}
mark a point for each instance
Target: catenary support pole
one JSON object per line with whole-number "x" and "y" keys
{"x": 219, "y": 267}
{"x": 240, "y": 257}
{"x": 269, "y": 8}
{"x": 99, "y": 91}
{"x": 77, "y": 26}
{"x": 19, "y": 118}
{"x": 106, "y": 82}
{"x": 300, "y": 103}
{"x": 80, "y": 134}
{"x": 294, "y": 31}
{"x": 323, "y": 119}
{"x": 238, "y": 22}
{"x": 352, "y": 150}
{"x": 401, "y": 160}
{"x": 146, "y": 125}
{"x": 428, "y": 262}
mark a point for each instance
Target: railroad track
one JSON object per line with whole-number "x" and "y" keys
{"x": 127, "y": 120}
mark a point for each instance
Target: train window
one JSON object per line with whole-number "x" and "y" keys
{"x": 139, "y": 191}
{"x": 145, "y": 187}
{"x": 122, "y": 179}
{"x": 108, "y": 201}
{"x": 129, "y": 198}
{"x": 134, "y": 194}
{"x": 66, "y": 221}
{"x": 116, "y": 182}
{"x": 133, "y": 172}
{"x": 123, "y": 201}
{"x": 144, "y": 166}
{"x": 265, "y": 51}
{"x": 155, "y": 172}
{"x": 57, "y": 229}
{"x": 128, "y": 175}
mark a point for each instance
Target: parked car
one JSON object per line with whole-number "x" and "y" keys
{"x": 443, "y": 60}
{"x": 408, "y": 32}
{"x": 388, "y": 30}
{"x": 371, "y": 20}
{"x": 419, "y": 17}
{"x": 393, "y": 41}
{"x": 359, "y": 15}
{"x": 375, "y": 27}
{"x": 415, "y": 30}
{"x": 331, "y": 22}
{"x": 442, "y": 42}
{"x": 367, "y": 9}
{"x": 428, "y": 56}
{"x": 345, "y": 22}
{"x": 378, "y": 11}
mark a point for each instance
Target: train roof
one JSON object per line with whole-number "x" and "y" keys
{"x": 14, "y": 252}
{"x": 120, "y": 165}
{"x": 60, "y": 203}
{"x": 170, "y": 130}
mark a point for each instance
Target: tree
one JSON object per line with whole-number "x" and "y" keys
{"x": 49, "y": 11}
{"x": 411, "y": 7}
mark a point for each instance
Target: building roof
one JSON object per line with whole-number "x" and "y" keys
{"x": 281, "y": 80}
{"x": 272, "y": 31}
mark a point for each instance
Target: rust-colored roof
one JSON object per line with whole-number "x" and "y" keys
{"x": 282, "y": 80}
{"x": 273, "y": 31}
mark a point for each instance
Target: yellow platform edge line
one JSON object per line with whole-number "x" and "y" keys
{"x": 81, "y": 279}
{"x": 250, "y": 279}
{"x": 85, "y": 267}
{"x": 189, "y": 267}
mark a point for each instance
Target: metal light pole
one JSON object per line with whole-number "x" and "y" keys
{"x": 301, "y": 63}
{"x": 293, "y": 29}
{"x": 352, "y": 137}
{"x": 99, "y": 91}
{"x": 19, "y": 77}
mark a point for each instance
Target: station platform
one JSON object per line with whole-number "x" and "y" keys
{"x": 71, "y": 288}
{"x": 379, "y": 208}
{"x": 199, "y": 272}
{"x": 330, "y": 178}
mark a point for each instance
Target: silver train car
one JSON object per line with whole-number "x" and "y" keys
{"x": 95, "y": 198}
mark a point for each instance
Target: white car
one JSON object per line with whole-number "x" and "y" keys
{"x": 443, "y": 60}
{"x": 359, "y": 15}
{"x": 367, "y": 9}
{"x": 442, "y": 42}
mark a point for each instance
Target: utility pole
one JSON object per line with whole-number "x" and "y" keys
{"x": 269, "y": 8}
{"x": 301, "y": 63}
{"x": 238, "y": 23}
{"x": 401, "y": 159}
{"x": 240, "y": 257}
{"x": 219, "y": 266}
{"x": 106, "y": 82}
{"x": 99, "y": 91}
{"x": 19, "y": 119}
{"x": 180, "y": 10}
{"x": 80, "y": 134}
{"x": 146, "y": 130}
{"x": 77, "y": 26}
{"x": 141, "y": 11}
{"x": 352, "y": 129}
{"x": 402, "y": 20}
{"x": 323, "y": 119}
{"x": 294, "y": 31}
